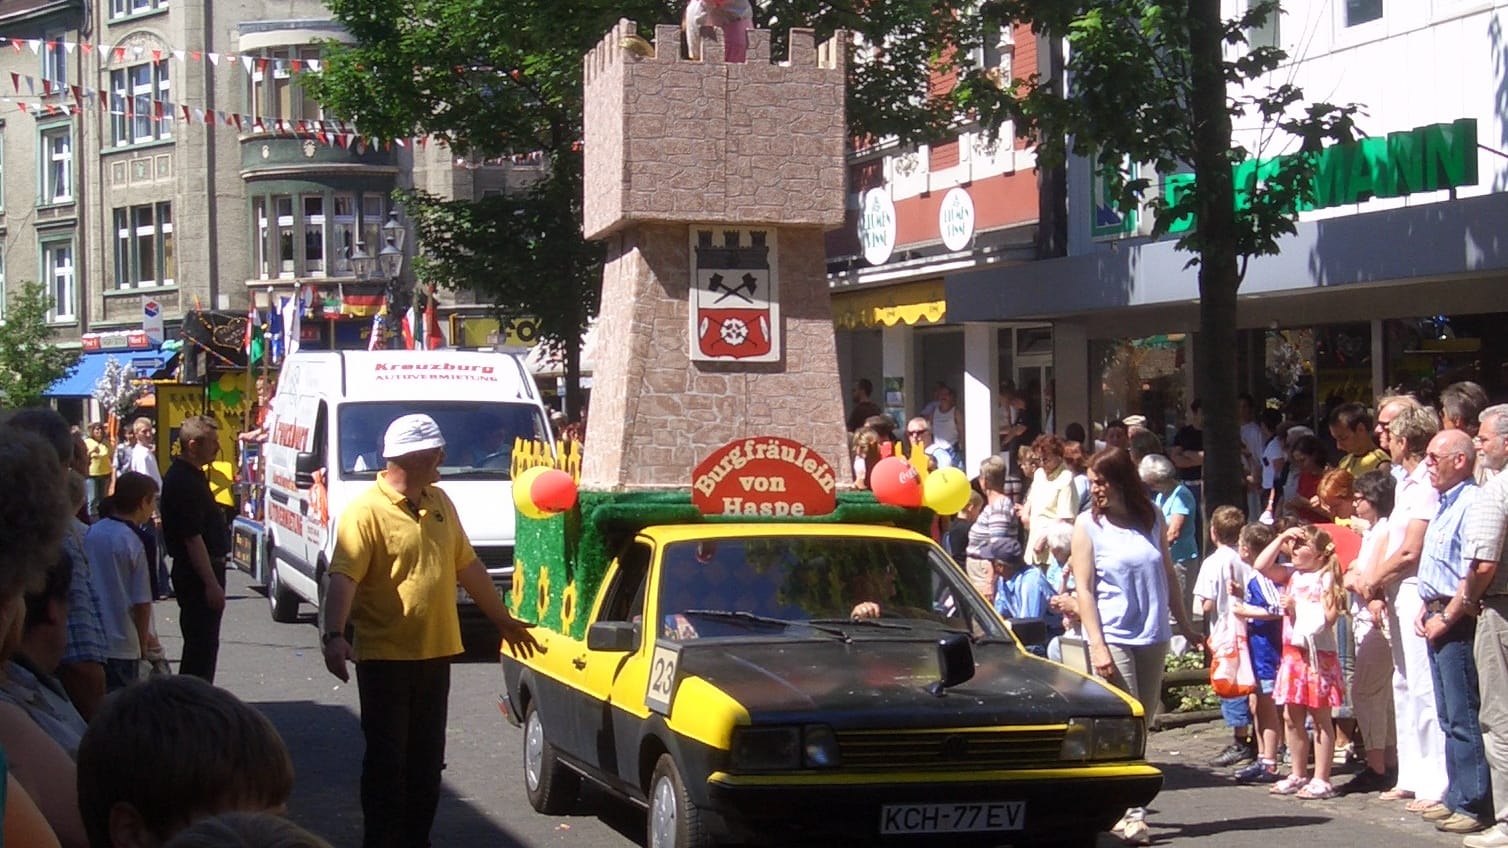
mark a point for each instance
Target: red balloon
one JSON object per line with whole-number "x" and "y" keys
{"x": 553, "y": 491}
{"x": 896, "y": 483}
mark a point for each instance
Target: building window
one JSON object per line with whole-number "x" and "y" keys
{"x": 1267, "y": 34}
{"x": 126, "y": 8}
{"x": 54, "y": 59}
{"x": 275, "y": 91}
{"x": 134, "y": 116}
{"x": 57, "y": 270}
{"x": 57, "y": 165}
{"x": 314, "y": 234}
{"x": 144, "y": 246}
{"x": 1362, "y": 11}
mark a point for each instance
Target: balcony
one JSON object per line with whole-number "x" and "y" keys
{"x": 270, "y": 155}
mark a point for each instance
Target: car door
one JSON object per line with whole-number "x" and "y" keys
{"x": 603, "y": 733}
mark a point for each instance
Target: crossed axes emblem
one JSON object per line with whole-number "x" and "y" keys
{"x": 744, "y": 290}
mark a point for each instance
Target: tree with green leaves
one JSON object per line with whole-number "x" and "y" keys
{"x": 497, "y": 79}
{"x": 1157, "y": 83}
{"x": 29, "y": 359}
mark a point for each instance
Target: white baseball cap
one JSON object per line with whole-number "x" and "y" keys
{"x": 411, "y": 434}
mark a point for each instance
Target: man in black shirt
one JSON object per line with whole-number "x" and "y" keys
{"x": 863, "y": 407}
{"x": 193, "y": 528}
{"x": 1187, "y": 452}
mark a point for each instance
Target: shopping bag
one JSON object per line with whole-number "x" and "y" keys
{"x": 1231, "y": 674}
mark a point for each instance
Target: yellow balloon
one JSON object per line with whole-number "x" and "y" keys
{"x": 946, "y": 491}
{"x": 521, "y": 486}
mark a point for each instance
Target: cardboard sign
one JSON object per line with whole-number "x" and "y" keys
{"x": 764, "y": 476}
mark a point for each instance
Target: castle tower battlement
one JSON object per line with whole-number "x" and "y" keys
{"x": 671, "y": 139}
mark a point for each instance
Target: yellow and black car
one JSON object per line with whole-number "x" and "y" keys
{"x": 831, "y": 682}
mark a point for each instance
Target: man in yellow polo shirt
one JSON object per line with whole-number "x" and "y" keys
{"x": 1351, "y": 427}
{"x": 400, "y": 551}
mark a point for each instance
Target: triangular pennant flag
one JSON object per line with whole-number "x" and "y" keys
{"x": 104, "y": 100}
{"x": 86, "y": 46}
{"x": 31, "y": 85}
{"x": 15, "y": 81}
{"x": 35, "y": 44}
{"x": 402, "y": 143}
{"x": 46, "y": 87}
{"x": 263, "y": 62}
{"x": 137, "y": 50}
{"x": 68, "y": 47}
{"x": 196, "y": 55}
{"x": 258, "y": 126}
{"x": 200, "y": 115}
{"x": 186, "y": 117}
{"x": 21, "y": 106}
{"x": 296, "y": 64}
{"x": 214, "y": 59}
{"x": 157, "y": 109}
{"x": 16, "y": 44}
{"x": 78, "y": 96}
{"x": 313, "y": 64}
{"x": 156, "y": 55}
{"x": 236, "y": 119}
{"x": 180, "y": 55}
{"x": 120, "y": 54}
{"x": 54, "y": 109}
{"x": 247, "y": 62}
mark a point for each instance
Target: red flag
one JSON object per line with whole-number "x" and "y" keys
{"x": 157, "y": 55}
{"x": 88, "y": 47}
{"x": 409, "y": 320}
{"x": 434, "y": 337}
{"x": 120, "y": 54}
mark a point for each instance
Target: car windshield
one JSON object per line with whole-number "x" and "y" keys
{"x": 478, "y": 436}
{"x": 774, "y": 582}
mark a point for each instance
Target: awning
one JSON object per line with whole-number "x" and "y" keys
{"x": 922, "y": 302}
{"x": 547, "y": 364}
{"x": 80, "y": 381}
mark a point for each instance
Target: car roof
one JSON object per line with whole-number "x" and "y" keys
{"x": 667, "y": 533}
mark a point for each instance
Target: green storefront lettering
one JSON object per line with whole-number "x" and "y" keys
{"x": 1431, "y": 158}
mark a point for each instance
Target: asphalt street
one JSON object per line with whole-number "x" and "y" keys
{"x": 278, "y": 669}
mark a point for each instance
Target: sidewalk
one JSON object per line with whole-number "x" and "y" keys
{"x": 1184, "y": 752}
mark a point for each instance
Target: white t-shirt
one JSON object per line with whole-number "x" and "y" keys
{"x": 1414, "y": 499}
{"x": 1273, "y": 452}
{"x": 144, "y": 461}
{"x": 118, "y": 565}
{"x": 1251, "y": 438}
{"x": 1215, "y": 574}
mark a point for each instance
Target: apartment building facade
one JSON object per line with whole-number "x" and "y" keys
{"x": 164, "y": 152}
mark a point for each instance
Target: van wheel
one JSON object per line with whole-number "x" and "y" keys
{"x": 552, "y": 788}
{"x": 280, "y": 599}
{"x": 674, "y": 819}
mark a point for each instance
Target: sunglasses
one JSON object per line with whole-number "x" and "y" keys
{"x": 916, "y": 432}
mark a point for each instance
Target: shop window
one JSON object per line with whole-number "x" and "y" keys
{"x": 144, "y": 246}
{"x": 1424, "y": 355}
{"x": 57, "y": 165}
{"x": 58, "y": 271}
{"x": 1142, "y": 376}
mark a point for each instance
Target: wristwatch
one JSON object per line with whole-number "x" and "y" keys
{"x": 330, "y": 636}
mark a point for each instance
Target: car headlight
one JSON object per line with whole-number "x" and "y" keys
{"x": 783, "y": 748}
{"x": 1093, "y": 739}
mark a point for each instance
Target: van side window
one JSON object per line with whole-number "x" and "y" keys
{"x": 321, "y": 427}
{"x": 625, "y": 596}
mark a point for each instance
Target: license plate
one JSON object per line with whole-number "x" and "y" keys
{"x": 901, "y": 819}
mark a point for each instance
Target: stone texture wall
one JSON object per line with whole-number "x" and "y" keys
{"x": 671, "y": 144}
{"x": 669, "y": 139}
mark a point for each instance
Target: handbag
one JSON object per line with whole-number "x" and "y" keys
{"x": 1231, "y": 674}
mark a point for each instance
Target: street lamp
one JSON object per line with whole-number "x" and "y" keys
{"x": 362, "y": 263}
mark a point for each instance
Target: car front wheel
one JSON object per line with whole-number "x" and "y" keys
{"x": 552, "y": 788}
{"x": 674, "y": 819}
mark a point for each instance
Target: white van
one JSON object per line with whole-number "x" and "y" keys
{"x": 324, "y": 448}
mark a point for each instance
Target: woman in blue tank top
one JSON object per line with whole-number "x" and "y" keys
{"x": 1121, "y": 563}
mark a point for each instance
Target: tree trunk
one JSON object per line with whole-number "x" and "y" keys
{"x": 1219, "y": 277}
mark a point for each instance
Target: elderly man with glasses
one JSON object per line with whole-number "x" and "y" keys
{"x": 919, "y": 431}
{"x": 1450, "y": 630}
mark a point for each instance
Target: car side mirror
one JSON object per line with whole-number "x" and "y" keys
{"x": 955, "y": 663}
{"x": 304, "y": 466}
{"x": 617, "y": 637}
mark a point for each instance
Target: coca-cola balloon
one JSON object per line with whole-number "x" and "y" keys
{"x": 896, "y": 483}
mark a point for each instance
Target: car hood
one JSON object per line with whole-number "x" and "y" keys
{"x": 883, "y": 683}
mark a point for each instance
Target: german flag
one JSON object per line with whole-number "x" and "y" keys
{"x": 362, "y": 301}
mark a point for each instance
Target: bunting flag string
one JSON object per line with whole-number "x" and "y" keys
{"x": 250, "y": 63}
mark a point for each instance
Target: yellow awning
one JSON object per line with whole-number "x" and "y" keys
{"x": 921, "y": 302}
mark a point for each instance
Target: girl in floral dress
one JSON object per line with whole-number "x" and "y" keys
{"x": 1310, "y": 682}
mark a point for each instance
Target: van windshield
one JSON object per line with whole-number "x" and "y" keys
{"x": 478, "y": 436}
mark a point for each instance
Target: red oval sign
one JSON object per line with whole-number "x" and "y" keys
{"x": 765, "y": 476}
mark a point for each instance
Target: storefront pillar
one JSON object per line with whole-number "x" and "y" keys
{"x": 981, "y": 377}
{"x": 1071, "y": 373}
{"x": 898, "y": 359}
{"x": 1379, "y": 359}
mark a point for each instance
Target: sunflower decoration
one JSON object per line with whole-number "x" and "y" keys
{"x": 542, "y": 602}
{"x": 568, "y": 607}
{"x": 516, "y": 591}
